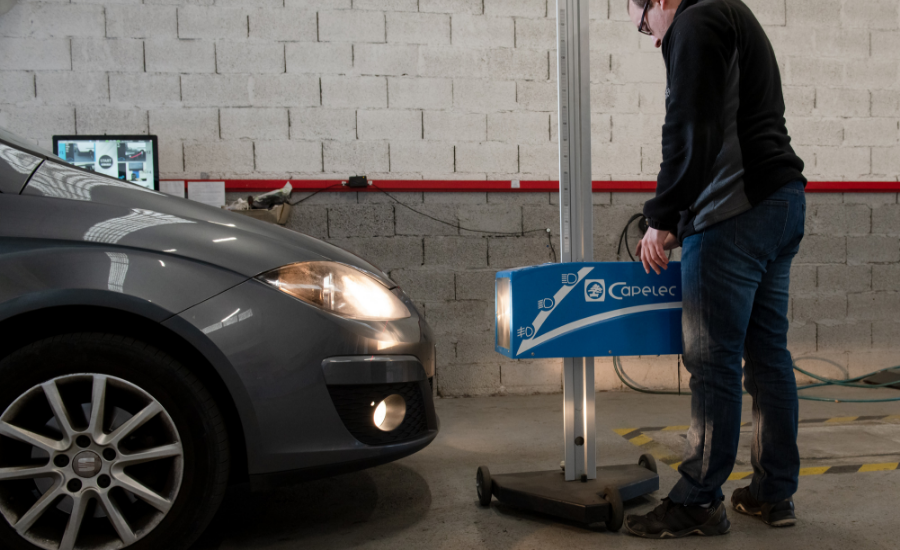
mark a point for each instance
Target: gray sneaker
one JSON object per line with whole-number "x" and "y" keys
{"x": 673, "y": 520}
{"x": 776, "y": 514}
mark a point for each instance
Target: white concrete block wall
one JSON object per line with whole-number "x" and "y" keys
{"x": 844, "y": 297}
{"x": 466, "y": 89}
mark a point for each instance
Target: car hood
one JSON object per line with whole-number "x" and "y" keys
{"x": 81, "y": 206}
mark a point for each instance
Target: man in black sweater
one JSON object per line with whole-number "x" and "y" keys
{"x": 730, "y": 190}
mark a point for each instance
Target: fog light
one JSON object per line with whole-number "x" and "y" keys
{"x": 389, "y": 414}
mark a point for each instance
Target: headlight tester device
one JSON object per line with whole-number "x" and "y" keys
{"x": 577, "y": 310}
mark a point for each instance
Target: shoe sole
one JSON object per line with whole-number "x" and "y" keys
{"x": 666, "y": 534}
{"x": 787, "y": 522}
{"x": 740, "y": 508}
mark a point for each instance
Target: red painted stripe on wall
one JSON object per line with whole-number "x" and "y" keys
{"x": 525, "y": 186}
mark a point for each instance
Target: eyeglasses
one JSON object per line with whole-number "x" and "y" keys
{"x": 643, "y": 28}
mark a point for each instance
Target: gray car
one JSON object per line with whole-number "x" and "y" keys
{"x": 155, "y": 350}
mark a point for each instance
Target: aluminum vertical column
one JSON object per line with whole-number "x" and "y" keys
{"x": 575, "y": 215}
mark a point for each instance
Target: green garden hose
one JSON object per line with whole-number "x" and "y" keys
{"x": 823, "y": 382}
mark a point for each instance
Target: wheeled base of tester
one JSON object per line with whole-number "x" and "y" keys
{"x": 590, "y": 501}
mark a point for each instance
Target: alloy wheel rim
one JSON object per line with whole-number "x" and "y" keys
{"x": 89, "y": 459}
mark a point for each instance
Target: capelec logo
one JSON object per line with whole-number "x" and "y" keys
{"x": 595, "y": 290}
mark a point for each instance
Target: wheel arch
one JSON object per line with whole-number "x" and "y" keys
{"x": 31, "y": 326}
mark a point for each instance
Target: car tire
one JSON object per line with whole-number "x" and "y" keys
{"x": 132, "y": 378}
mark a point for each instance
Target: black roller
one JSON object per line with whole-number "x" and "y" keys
{"x": 647, "y": 461}
{"x": 616, "y": 516}
{"x": 485, "y": 485}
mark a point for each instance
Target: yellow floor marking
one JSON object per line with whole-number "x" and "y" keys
{"x": 841, "y": 419}
{"x": 662, "y": 457}
{"x": 879, "y": 467}
{"x": 641, "y": 440}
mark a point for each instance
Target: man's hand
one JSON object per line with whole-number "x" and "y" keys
{"x": 652, "y": 249}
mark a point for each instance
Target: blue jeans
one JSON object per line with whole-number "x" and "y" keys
{"x": 735, "y": 278}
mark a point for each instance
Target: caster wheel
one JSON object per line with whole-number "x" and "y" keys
{"x": 647, "y": 461}
{"x": 616, "y": 509}
{"x": 485, "y": 486}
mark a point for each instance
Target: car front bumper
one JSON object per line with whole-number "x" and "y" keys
{"x": 303, "y": 381}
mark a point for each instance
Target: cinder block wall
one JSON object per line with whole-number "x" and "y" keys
{"x": 845, "y": 290}
{"x": 465, "y": 89}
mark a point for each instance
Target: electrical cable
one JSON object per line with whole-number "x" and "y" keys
{"x": 823, "y": 381}
{"x": 306, "y": 198}
{"x": 624, "y": 238}
{"x": 459, "y": 227}
{"x": 456, "y": 225}
{"x": 451, "y": 224}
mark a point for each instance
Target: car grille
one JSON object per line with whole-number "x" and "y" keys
{"x": 354, "y": 405}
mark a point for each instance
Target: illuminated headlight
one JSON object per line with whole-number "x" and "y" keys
{"x": 339, "y": 289}
{"x": 504, "y": 312}
{"x": 389, "y": 414}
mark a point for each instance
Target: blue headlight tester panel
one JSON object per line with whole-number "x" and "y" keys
{"x": 594, "y": 309}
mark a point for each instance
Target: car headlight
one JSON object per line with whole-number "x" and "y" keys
{"x": 339, "y": 289}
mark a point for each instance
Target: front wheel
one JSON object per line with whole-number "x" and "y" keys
{"x": 106, "y": 442}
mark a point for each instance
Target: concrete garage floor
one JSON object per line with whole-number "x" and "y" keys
{"x": 428, "y": 500}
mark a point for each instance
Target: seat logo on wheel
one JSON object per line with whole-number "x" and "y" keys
{"x": 87, "y": 464}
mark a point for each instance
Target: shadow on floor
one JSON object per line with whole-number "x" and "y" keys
{"x": 394, "y": 496}
{"x": 542, "y": 520}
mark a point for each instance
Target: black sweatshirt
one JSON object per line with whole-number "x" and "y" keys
{"x": 725, "y": 145}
